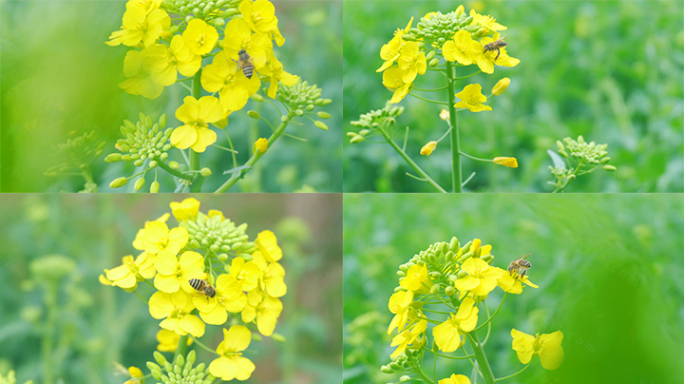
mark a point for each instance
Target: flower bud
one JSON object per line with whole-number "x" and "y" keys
{"x": 428, "y": 148}
{"x": 449, "y": 291}
{"x": 323, "y": 115}
{"x": 153, "y": 164}
{"x": 501, "y": 86}
{"x": 139, "y": 183}
{"x": 253, "y": 114}
{"x": 173, "y": 164}
{"x": 609, "y": 167}
{"x": 326, "y": 102}
{"x": 321, "y": 125}
{"x": 510, "y": 162}
{"x": 351, "y": 134}
{"x": 120, "y": 182}
{"x": 261, "y": 145}
{"x": 206, "y": 172}
{"x": 138, "y": 163}
{"x": 113, "y": 157}
{"x": 453, "y": 244}
{"x": 434, "y": 289}
{"x": 404, "y": 378}
{"x": 386, "y": 369}
{"x": 488, "y": 258}
{"x": 605, "y": 160}
{"x": 356, "y": 139}
{"x": 298, "y": 112}
{"x": 434, "y": 62}
{"x": 154, "y": 188}
{"x": 278, "y": 337}
{"x": 401, "y": 273}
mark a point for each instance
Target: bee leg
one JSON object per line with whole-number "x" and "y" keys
{"x": 523, "y": 274}
{"x": 498, "y": 52}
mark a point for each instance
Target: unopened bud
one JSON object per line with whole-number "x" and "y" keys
{"x": 257, "y": 97}
{"x": 323, "y": 115}
{"x": 120, "y": 182}
{"x": 174, "y": 164}
{"x": 449, "y": 291}
{"x": 113, "y": 157}
{"x": 501, "y": 86}
{"x": 139, "y": 183}
{"x": 434, "y": 62}
{"x": 206, "y": 172}
{"x": 154, "y": 188}
{"x": 356, "y": 139}
{"x": 609, "y": 168}
{"x": 321, "y": 125}
{"x": 253, "y": 114}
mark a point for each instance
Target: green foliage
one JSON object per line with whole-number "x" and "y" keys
{"x": 56, "y": 79}
{"x": 59, "y": 324}
{"x": 609, "y": 270}
{"x": 609, "y": 71}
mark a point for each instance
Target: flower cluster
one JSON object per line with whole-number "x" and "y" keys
{"x": 458, "y": 38}
{"x": 575, "y": 158}
{"x": 371, "y": 122}
{"x": 180, "y": 371}
{"x": 458, "y": 278}
{"x": 163, "y": 50}
{"x": 206, "y": 271}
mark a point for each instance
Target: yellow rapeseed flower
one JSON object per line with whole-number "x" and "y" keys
{"x": 448, "y": 334}
{"x": 462, "y": 48}
{"x": 547, "y": 346}
{"x": 196, "y": 114}
{"x": 486, "y": 60}
{"x": 257, "y": 45}
{"x": 455, "y": 379}
{"x": 510, "y": 162}
{"x": 246, "y": 274}
{"x": 501, "y": 86}
{"x": 260, "y": 145}
{"x": 230, "y": 364}
{"x": 200, "y": 37}
{"x": 173, "y": 273}
{"x": 408, "y": 337}
{"x": 229, "y": 298}
{"x": 130, "y": 272}
{"x": 224, "y": 76}
{"x": 487, "y": 22}
{"x": 168, "y": 340}
{"x": 139, "y": 25}
{"x": 276, "y": 74}
{"x": 428, "y": 148}
{"x": 157, "y": 237}
{"x": 164, "y": 62}
{"x": 175, "y": 309}
{"x": 267, "y": 242}
{"x": 392, "y": 79}
{"x": 417, "y": 279}
{"x": 412, "y": 62}
{"x": 472, "y": 98}
{"x": 186, "y": 209}
{"x": 481, "y": 277}
{"x": 400, "y": 304}
{"x": 513, "y": 283}
{"x": 260, "y": 16}
{"x": 390, "y": 51}
{"x": 272, "y": 280}
{"x": 263, "y": 309}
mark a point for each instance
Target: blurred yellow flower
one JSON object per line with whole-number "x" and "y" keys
{"x": 196, "y": 114}
{"x": 390, "y": 51}
{"x": 186, "y": 209}
{"x": 267, "y": 242}
{"x": 547, "y": 346}
{"x": 444, "y": 115}
{"x": 175, "y": 309}
{"x": 272, "y": 280}
{"x": 173, "y": 273}
{"x": 472, "y": 98}
{"x": 428, "y": 148}
{"x": 230, "y": 364}
{"x": 139, "y": 79}
{"x": 510, "y": 162}
{"x": 448, "y": 334}
{"x": 168, "y": 340}
{"x": 130, "y": 272}
{"x": 487, "y": 22}
{"x": 225, "y": 77}
{"x": 455, "y": 379}
{"x": 200, "y": 37}
{"x": 417, "y": 279}
{"x": 261, "y": 145}
{"x": 501, "y": 86}
{"x": 274, "y": 71}
{"x": 157, "y": 237}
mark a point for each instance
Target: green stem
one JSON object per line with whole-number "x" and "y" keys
{"x": 172, "y": 171}
{"x": 456, "y": 177}
{"x": 428, "y": 100}
{"x": 513, "y": 375}
{"x": 182, "y": 346}
{"x": 485, "y": 369}
{"x": 423, "y": 375}
{"x": 492, "y": 316}
{"x": 476, "y": 158}
{"x": 255, "y": 157}
{"x": 197, "y": 179}
{"x": 411, "y": 162}
{"x": 203, "y": 346}
{"x": 49, "y": 332}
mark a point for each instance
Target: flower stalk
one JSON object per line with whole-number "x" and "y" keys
{"x": 456, "y": 173}
{"x": 197, "y": 179}
{"x": 481, "y": 357}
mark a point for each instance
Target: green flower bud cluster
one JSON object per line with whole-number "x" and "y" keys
{"x": 10, "y": 379}
{"x": 218, "y": 236}
{"x": 52, "y": 267}
{"x": 370, "y": 122}
{"x": 580, "y": 158}
{"x": 439, "y": 27}
{"x": 302, "y": 98}
{"x": 589, "y": 153}
{"x": 203, "y": 9}
{"x": 79, "y": 152}
{"x": 402, "y": 363}
{"x": 181, "y": 371}
{"x": 144, "y": 140}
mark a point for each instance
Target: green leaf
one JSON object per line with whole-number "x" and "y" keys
{"x": 557, "y": 160}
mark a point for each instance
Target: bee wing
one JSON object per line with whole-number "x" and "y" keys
{"x": 525, "y": 256}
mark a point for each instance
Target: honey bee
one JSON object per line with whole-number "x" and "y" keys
{"x": 246, "y": 64}
{"x": 202, "y": 286}
{"x": 520, "y": 264}
{"x": 496, "y": 45}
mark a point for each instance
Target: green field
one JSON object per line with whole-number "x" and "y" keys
{"x": 608, "y": 268}
{"x": 608, "y": 70}
{"x": 58, "y": 324}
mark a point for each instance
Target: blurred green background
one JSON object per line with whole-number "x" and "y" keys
{"x": 611, "y": 71}
{"x": 98, "y": 325}
{"x": 609, "y": 269}
{"x": 58, "y": 77}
